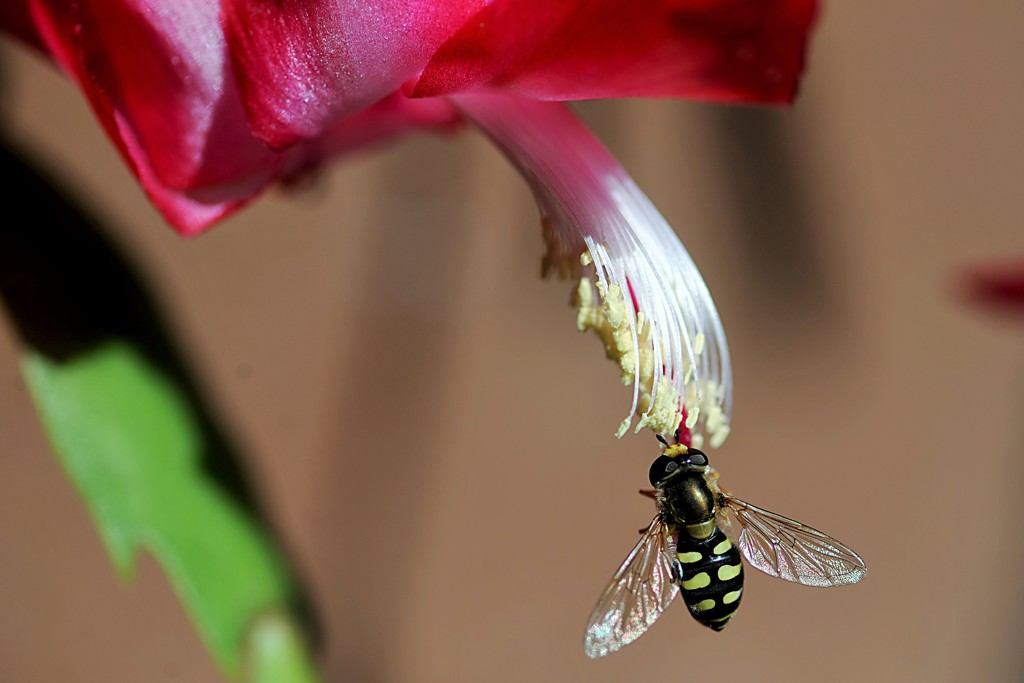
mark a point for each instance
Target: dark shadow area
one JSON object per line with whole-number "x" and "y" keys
{"x": 765, "y": 193}
{"x": 68, "y": 289}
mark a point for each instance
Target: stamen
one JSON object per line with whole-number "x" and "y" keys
{"x": 638, "y": 288}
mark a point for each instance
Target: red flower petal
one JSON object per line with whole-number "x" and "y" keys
{"x": 726, "y": 50}
{"x": 188, "y": 211}
{"x": 16, "y": 20}
{"x": 303, "y": 64}
{"x": 998, "y": 287}
{"x": 157, "y": 73}
{"x": 181, "y": 99}
{"x": 191, "y": 211}
{"x": 158, "y": 77}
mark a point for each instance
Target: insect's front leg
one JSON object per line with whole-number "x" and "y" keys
{"x": 676, "y": 568}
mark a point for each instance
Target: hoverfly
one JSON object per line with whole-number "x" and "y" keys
{"x": 689, "y": 548}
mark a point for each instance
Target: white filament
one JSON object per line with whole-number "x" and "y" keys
{"x": 595, "y": 208}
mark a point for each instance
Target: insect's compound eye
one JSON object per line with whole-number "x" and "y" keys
{"x": 697, "y": 458}
{"x": 662, "y": 467}
{"x": 657, "y": 469}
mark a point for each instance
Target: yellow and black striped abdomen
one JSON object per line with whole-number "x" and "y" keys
{"x": 710, "y": 578}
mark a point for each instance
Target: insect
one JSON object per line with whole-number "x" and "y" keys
{"x": 694, "y": 546}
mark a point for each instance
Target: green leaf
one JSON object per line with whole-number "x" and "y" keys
{"x": 134, "y": 436}
{"x": 275, "y": 653}
{"x": 128, "y": 440}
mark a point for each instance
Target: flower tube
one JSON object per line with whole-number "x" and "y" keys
{"x": 637, "y": 287}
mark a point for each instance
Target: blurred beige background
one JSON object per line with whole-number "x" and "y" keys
{"x": 396, "y": 304}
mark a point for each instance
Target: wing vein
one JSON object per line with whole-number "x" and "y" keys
{"x": 786, "y": 549}
{"x": 637, "y": 595}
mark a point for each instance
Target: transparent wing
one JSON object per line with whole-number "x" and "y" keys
{"x": 639, "y": 592}
{"x": 786, "y": 549}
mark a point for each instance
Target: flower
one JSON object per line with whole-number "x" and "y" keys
{"x": 211, "y": 101}
{"x": 638, "y": 288}
{"x": 997, "y": 287}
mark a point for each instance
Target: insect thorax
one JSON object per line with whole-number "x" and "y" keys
{"x": 689, "y": 505}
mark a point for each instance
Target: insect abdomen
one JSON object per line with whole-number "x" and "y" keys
{"x": 711, "y": 578}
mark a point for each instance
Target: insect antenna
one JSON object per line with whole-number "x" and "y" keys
{"x": 662, "y": 439}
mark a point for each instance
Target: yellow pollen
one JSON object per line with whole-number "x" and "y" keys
{"x": 629, "y": 338}
{"x": 718, "y": 438}
{"x": 714, "y": 418}
{"x": 674, "y": 450}
{"x": 605, "y": 310}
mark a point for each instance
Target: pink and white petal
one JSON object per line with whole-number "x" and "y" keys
{"x": 723, "y": 50}
{"x": 194, "y": 210}
{"x": 157, "y": 73}
{"x": 381, "y": 123}
{"x": 191, "y": 211}
{"x": 303, "y": 64}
